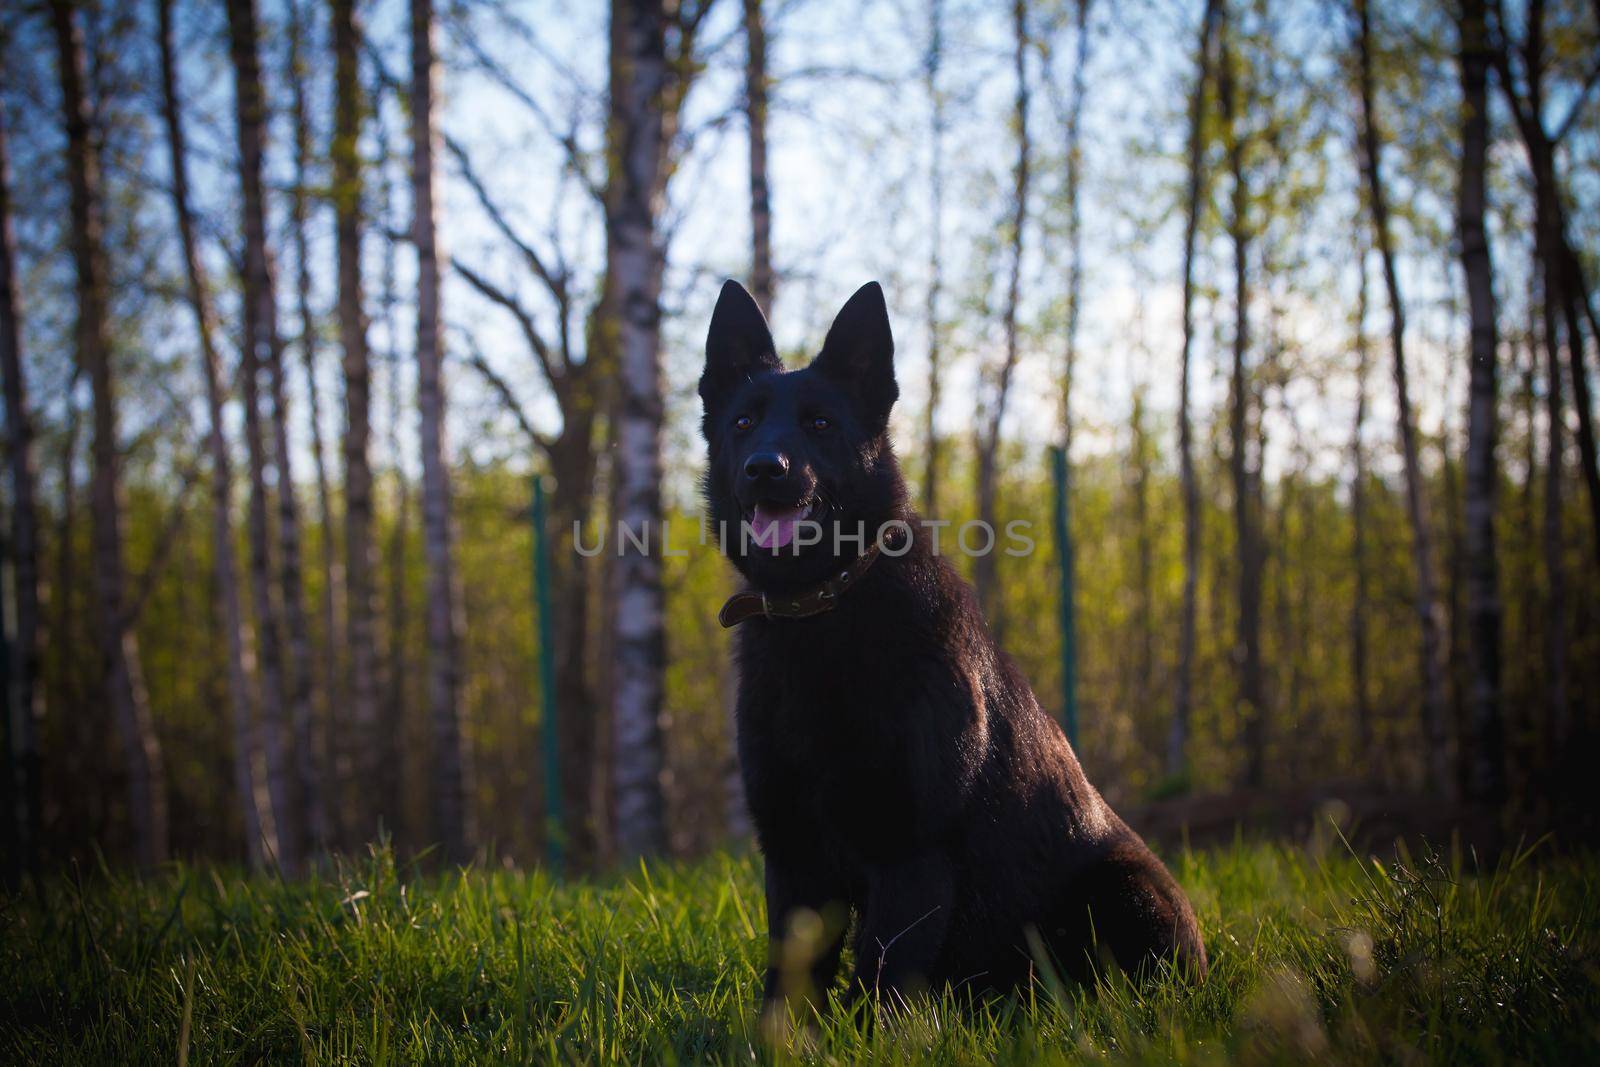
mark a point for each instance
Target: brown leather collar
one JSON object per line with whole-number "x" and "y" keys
{"x": 752, "y": 603}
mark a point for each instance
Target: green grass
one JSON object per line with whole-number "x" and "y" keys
{"x": 1404, "y": 960}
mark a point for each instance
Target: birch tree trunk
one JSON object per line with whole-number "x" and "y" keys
{"x": 1245, "y": 470}
{"x": 1425, "y": 597}
{"x": 1178, "y": 734}
{"x": 24, "y": 548}
{"x": 122, "y": 681}
{"x": 394, "y": 705}
{"x": 638, "y": 138}
{"x": 762, "y": 280}
{"x": 261, "y": 348}
{"x": 1485, "y": 777}
{"x": 1358, "y": 527}
{"x": 932, "y": 65}
{"x": 994, "y": 392}
{"x": 316, "y": 757}
{"x": 451, "y": 800}
{"x": 266, "y": 609}
{"x": 360, "y": 585}
{"x": 304, "y": 793}
{"x": 256, "y": 813}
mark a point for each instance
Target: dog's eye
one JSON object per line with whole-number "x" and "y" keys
{"x": 743, "y": 422}
{"x": 821, "y": 423}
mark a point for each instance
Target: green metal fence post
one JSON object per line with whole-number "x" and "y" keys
{"x": 1069, "y": 634}
{"x": 554, "y": 827}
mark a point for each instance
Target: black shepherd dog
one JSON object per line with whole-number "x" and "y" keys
{"x": 896, "y": 764}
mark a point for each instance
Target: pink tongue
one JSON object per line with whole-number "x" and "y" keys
{"x": 774, "y": 527}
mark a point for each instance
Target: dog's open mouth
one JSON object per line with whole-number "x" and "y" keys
{"x": 773, "y": 524}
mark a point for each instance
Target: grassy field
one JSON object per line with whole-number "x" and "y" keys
{"x": 1411, "y": 959}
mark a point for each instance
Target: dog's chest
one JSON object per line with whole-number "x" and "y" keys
{"x": 824, "y": 720}
{"x": 832, "y": 737}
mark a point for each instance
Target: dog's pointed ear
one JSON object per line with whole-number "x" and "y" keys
{"x": 738, "y": 346}
{"x": 859, "y": 352}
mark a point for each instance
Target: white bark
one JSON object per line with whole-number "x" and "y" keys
{"x": 636, "y": 260}
{"x": 364, "y": 742}
{"x": 451, "y": 798}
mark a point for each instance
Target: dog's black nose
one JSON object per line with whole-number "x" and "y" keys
{"x": 768, "y": 465}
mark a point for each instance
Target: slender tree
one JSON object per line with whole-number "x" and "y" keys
{"x": 397, "y": 601}
{"x": 27, "y": 648}
{"x": 121, "y": 674}
{"x": 1454, "y": 554}
{"x": 649, "y": 80}
{"x": 1485, "y": 759}
{"x": 932, "y": 64}
{"x": 64, "y": 589}
{"x": 263, "y": 593}
{"x": 397, "y": 673}
{"x": 762, "y": 281}
{"x": 259, "y": 829}
{"x": 1360, "y": 605}
{"x": 1425, "y": 596}
{"x": 314, "y": 751}
{"x": 1178, "y": 733}
{"x": 305, "y": 793}
{"x": 639, "y": 137}
{"x": 996, "y": 388}
{"x": 1528, "y": 563}
{"x": 263, "y": 352}
{"x": 451, "y": 803}
{"x": 360, "y": 568}
{"x": 1555, "y": 548}
{"x": 1244, "y": 468}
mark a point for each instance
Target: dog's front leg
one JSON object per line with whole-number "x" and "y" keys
{"x": 903, "y": 926}
{"x": 806, "y": 919}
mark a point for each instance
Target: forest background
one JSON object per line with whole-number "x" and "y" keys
{"x": 300, "y": 298}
